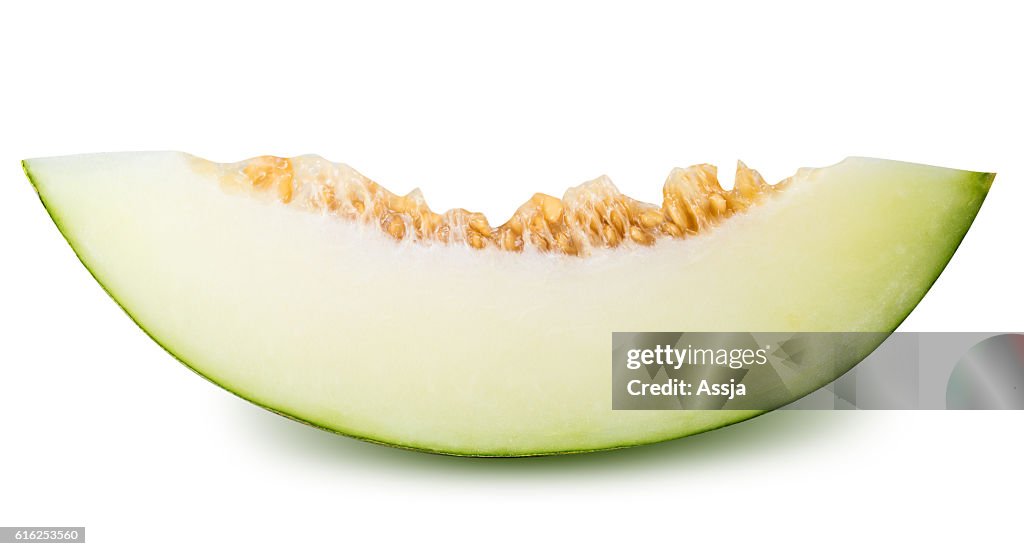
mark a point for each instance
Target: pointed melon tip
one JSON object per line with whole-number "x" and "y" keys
{"x": 27, "y": 169}
{"x": 985, "y": 180}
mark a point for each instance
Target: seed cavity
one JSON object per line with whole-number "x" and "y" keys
{"x": 592, "y": 216}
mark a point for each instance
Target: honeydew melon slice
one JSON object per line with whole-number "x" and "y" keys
{"x": 305, "y": 288}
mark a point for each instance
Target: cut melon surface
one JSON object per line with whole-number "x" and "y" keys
{"x": 308, "y": 289}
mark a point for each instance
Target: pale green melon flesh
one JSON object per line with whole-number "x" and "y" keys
{"x": 458, "y": 351}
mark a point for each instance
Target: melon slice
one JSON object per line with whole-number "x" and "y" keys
{"x": 306, "y": 288}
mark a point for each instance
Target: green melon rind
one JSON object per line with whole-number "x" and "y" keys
{"x": 980, "y": 182}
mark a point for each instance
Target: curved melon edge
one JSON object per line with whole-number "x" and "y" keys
{"x": 983, "y": 182}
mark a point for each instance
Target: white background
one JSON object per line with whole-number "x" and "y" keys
{"x": 480, "y": 107}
